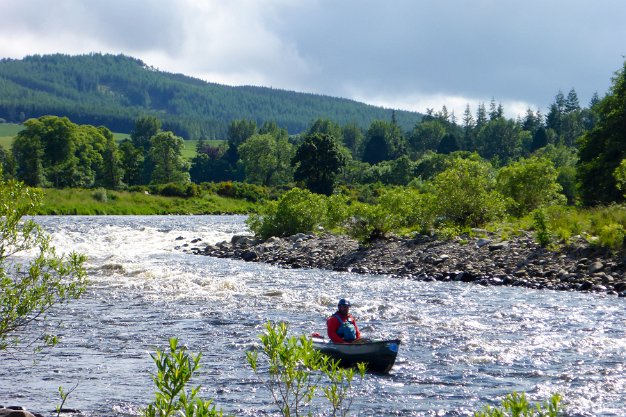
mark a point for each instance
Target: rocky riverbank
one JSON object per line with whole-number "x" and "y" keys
{"x": 488, "y": 260}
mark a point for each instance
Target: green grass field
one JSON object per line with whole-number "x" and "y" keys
{"x": 100, "y": 202}
{"x": 7, "y": 133}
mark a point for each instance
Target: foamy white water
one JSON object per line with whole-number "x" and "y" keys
{"x": 463, "y": 345}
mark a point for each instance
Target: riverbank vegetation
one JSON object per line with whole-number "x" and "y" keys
{"x": 30, "y": 288}
{"x": 562, "y": 174}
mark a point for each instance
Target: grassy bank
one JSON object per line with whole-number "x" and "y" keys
{"x": 100, "y": 201}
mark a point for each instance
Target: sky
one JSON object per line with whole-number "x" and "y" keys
{"x": 401, "y": 54}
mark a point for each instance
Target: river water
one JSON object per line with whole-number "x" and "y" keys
{"x": 463, "y": 346}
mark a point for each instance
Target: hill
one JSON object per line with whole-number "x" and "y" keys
{"x": 113, "y": 90}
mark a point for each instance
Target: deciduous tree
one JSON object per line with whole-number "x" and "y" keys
{"x": 169, "y": 164}
{"x": 318, "y": 161}
{"x": 31, "y": 288}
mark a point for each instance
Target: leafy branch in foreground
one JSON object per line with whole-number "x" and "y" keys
{"x": 175, "y": 369}
{"x": 516, "y": 405}
{"x": 295, "y": 371}
{"x": 29, "y": 289}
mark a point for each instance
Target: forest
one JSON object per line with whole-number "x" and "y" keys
{"x": 464, "y": 172}
{"x": 114, "y": 90}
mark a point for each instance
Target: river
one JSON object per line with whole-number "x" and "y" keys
{"x": 463, "y": 346}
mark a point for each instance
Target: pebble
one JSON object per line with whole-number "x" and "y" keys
{"x": 484, "y": 260}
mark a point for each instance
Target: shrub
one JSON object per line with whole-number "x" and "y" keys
{"x": 250, "y": 192}
{"x": 542, "y": 233}
{"x": 368, "y": 222}
{"x": 612, "y": 236}
{"x": 530, "y": 184}
{"x": 100, "y": 195}
{"x": 175, "y": 370}
{"x": 516, "y": 405}
{"x": 296, "y": 371}
{"x": 297, "y": 211}
{"x": 464, "y": 195}
{"x": 176, "y": 189}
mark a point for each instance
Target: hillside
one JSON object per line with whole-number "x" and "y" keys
{"x": 113, "y": 90}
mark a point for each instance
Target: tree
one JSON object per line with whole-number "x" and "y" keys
{"x": 604, "y": 147}
{"x": 238, "y": 132}
{"x": 29, "y": 290}
{"x": 540, "y": 139}
{"x": 131, "y": 159}
{"x": 112, "y": 172}
{"x": 499, "y": 138}
{"x": 328, "y": 127}
{"x": 318, "y": 161}
{"x": 427, "y": 135}
{"x": 7, "y": 163}
{"x": 145, "y": 128}
{"x": 44, "y": 151}
{"x": 266, "y": 158}
{"x": 448, "y": 144}
{"x": 530, "y": 184}
{"x": 169, "y": 164}
{"x": 353, "y": 138}
{"x": 28, "y": 153}
{"x": 383, "y": 141}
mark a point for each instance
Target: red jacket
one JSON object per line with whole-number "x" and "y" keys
{"x": 333, "y": 324}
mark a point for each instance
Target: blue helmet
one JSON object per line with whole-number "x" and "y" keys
{"x": 343, "y": 302}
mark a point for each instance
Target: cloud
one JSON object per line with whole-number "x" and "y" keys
{"x": 403, "y": 54}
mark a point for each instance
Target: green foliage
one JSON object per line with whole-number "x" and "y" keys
{"x": 620, "y": 176}
{"x": 296, "y": 211}
{"x": 530, "y": 184}
{"x": 100, "y": 195}
{"x": 52, "y": 151}
{"x": 240, "y": 190}
{"x": 172, "y": 397}
{"x": 383, "y": 141}
{"x": 30, "y": 289}
{"x": 175, "y": 189}
{"x": 602, "y": 149}
{"x": 368, "y": 222}
{"x": 611, "y": 236}
{"x": 64, "y": 394}
{"x": 266, "y": 158}
{"x": 115, "y": 90}
{"x": 80, "y": 201}
{"x": 516, "y": 405}
{"x": 463, "y": 194}
{"x": 318, "y": 161}
{"x": 542, "y": 232}
{"x": 166, "y": 153}
{"x": 294, "y": 372}
{"x": 396, "y": 209}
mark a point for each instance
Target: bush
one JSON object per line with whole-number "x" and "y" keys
{"x": 175, "y": 370}
{"x": 240, "y": 190}
{"x": 100, "y": 194}
{"x": 175, "y": 189}
{"x": 530, "y": 184}
{"x": 297, "y": 211}
{"x": 368, "y": 222}
{"x": 516, "y": 405}
{"x": 295, "y": 373}
{"x": 463, "y": 194}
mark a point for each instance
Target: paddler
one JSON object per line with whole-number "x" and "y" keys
{"x": 341, "y": 326}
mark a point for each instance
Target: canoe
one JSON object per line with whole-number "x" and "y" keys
{"x": 378, "y": 355}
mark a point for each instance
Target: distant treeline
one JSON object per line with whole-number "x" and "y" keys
{"x": 115, "y": 90}
{"x": 584, "y": 146}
